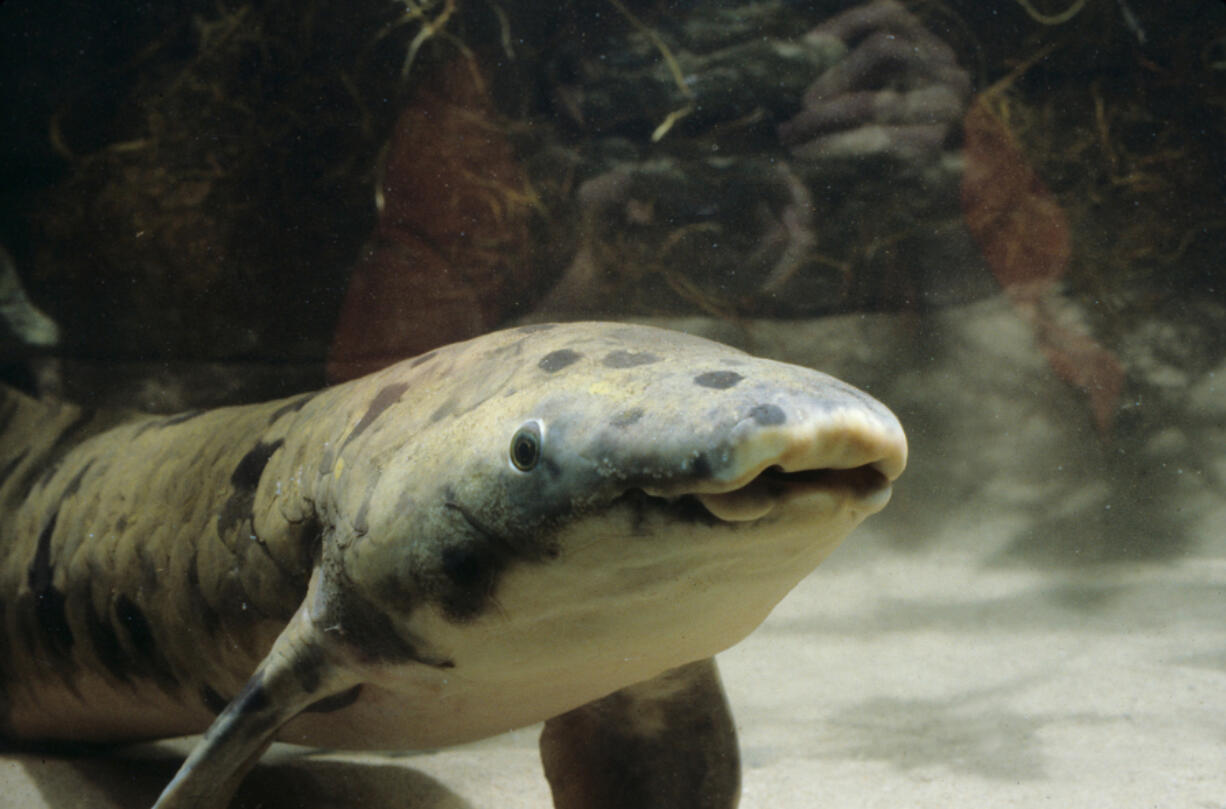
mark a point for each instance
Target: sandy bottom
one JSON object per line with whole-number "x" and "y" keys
{"x": 1038, "y": 620}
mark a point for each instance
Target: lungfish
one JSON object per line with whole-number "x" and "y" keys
{"x": 557, "y": 523}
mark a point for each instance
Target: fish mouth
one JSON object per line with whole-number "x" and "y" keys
{"x": 772, "y": 488}
{"x": 849, "y": 464}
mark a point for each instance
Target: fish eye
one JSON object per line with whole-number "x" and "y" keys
{"x": 526, "y": 446}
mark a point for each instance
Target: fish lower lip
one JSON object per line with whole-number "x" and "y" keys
{"x": 773, "y": 486}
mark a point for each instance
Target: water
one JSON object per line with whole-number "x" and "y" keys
{"x": 1003, "y": 224}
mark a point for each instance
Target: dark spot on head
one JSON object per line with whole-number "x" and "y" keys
{"x": 385, "y": 398}
{"x": 557, "y": 360}
{"x": 768, "y": 415}
{"x": 292, "y": 406}
{"x": 215, "y": 702}
{"x": 122, "y": 523}
{"x": 245, "y": 480}
{"x": 464, "y": 567}
{"x": 471, "y": 569}
{"x": 628, "y": 359}
{"x": 336, "y": 702}
{"x": 471, "y": 574}
{"x": 49, "y": 606}
{"x": 627, "y": 417}
{"x": 719, "y": 380}
{"x": 506, "y": 350}
{"x": 423, "y": 359}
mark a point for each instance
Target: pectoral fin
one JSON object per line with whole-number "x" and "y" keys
{"x": 667, "y": 743}
{"x": 295, "y": 675}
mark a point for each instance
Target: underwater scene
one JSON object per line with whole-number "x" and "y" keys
{"x": 403, "y": 401}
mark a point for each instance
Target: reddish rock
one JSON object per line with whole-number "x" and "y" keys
{"x": 1024, "y": 235}
{"x": 449, "y": 258}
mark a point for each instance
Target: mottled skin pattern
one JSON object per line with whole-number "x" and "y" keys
{"x": 554, "y": 523}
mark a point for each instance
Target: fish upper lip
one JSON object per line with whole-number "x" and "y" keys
{"x": 860, "y": 460}
{"x": 854, "y": 459}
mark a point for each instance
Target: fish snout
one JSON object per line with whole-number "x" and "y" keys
{"x": 847, "y": 456}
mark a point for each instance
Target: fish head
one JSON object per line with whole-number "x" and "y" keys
{"x": 631, "y": 495}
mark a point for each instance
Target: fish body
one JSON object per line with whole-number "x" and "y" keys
{"x": 556, "y": 522}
